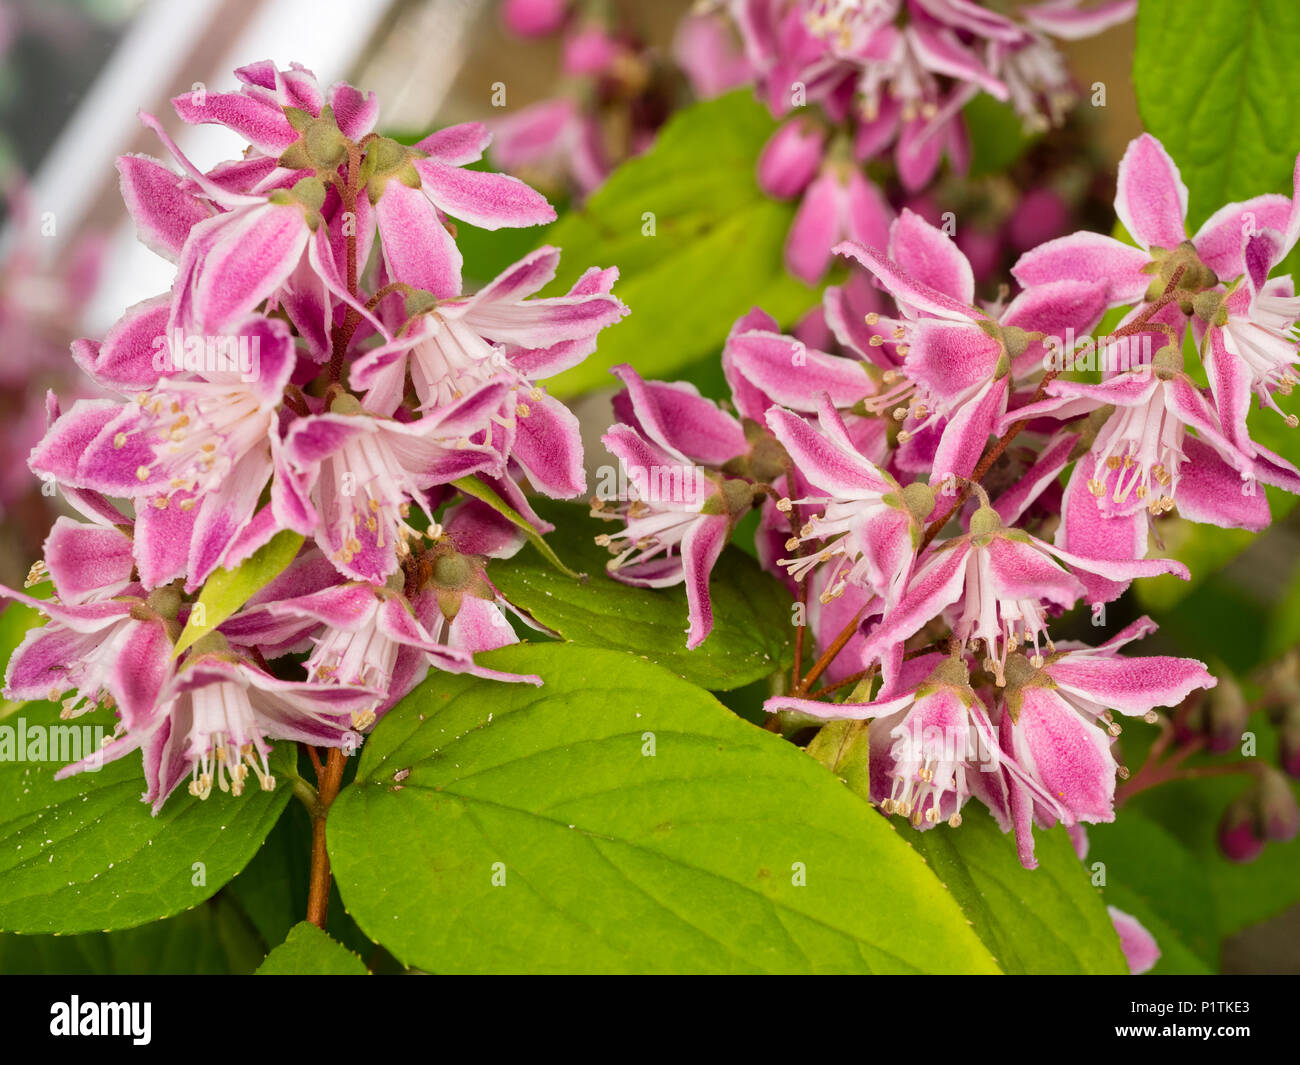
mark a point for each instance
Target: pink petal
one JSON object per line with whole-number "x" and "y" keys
{"x": 930, "y": 255}
{"x": 680, "y": 420}
{"x": 163, "y": 212}
{"x": 548, "y": 445}
{"x": 417, "y": 247}
{"x": 1150, "y": 198}
{"x": 1087, "y": 257}
{"x": 484, "y": 199}
{"x": 701, "y": 547}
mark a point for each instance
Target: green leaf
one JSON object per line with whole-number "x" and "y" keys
{"x": 1189, "y": 811}
{"x": 84, "y": 854}
{"x": 472, "y": 486}
{"x": 997, "y": 135}
{"x": 751, "y": 636}
{"x": 844, "y": 748}
{"x": 502, "y": 827}
{"x": 213, "y": 938}
{"x": 310, "y": 952}
{"x": 1219, "y": 86}
{"x": 1154, "y": 877}
{"x": 227, "y": 590}
{"x": 1045, "y": 920}
{"x": 716, "y": 250}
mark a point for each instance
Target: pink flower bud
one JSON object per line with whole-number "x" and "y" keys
{"x": 533, "y": 18}
{"x": 790, "y": 159}
{"x": 1238, "y": 838}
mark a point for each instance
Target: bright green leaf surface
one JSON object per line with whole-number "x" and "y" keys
{"x": 1046, "y": 920}
{"x": 310, "y": 952}
{"x": 1218, "y": 84}
{"x": 84, "y": 854}
{"x": 610, "y": 859}
{"x": 716, "y": 250}
{"x": 227, "y": 590}
{"x": 751, "y": 610}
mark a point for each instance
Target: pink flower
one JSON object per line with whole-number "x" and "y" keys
{"x": 672, "y": 445}
{"x": 213, "y": 720}
{"x": 997, "y": 584}
{"x": 412, "y": 188}
{"x": 460, "y": 345}
{"x": 965, "y": 359}
{"x": 195, "y": 450}
{"x": 1151, "y": 202}
{"x": 362, "y": 473}
{"x": 840, "y": 204}
{"x": 1058, "y": 725}
{"x": 870, "y": 523}
{"x": 932, "y": 747}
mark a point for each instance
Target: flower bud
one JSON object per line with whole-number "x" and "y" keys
{"x": 790, "y": 159}
{"x": 1278, "y": 814}
{"x": 1288, "y": 738}
{"x": 1226, "y": 714}
{"x": 1238, "y": 838}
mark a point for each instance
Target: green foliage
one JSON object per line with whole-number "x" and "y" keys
{"x": 715, "y": 250}
{"x": 227, "y": 590}
{"x": 1046, "y": 920}
{"x": 1219, "y": 86}
{"x": 307, "y": 951}
{"x": 751, "y": 636}
{"x": 618, "y": 819}
{"x": 84, "y": 854}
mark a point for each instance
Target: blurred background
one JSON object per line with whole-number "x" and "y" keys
{"x": 74, "y": 73}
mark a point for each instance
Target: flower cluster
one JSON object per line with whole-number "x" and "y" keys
{"x": 317, "y": 372}
{"x": 888, "y": 78}
{"x": 937, "y": 488}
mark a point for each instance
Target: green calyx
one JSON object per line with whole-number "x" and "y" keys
{"x": 1211, "y": 307}
{"x": 950, "y": 673}
{"x": 210, "y": 643}
{"x": 1167, "y": 363}
{"x": 387, "y": 159}
{"x": 418, "y": 301}
{"x": 766, "y": 460}
{"x": 1013, "y": 340}
{"x": 1019, "y": 673}
{"x": 308, "y": 195}
{"x": 918, "y": 500}
{"x": 984, "y": 523}
{"x": 320, "y": 144}
{"x": 346, "y": 403}
{"x": 735, "y": 498}
{"x": 1195, "y": 276}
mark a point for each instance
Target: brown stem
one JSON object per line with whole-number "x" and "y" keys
{"x": 828, "y": 656}
{"x": 342, "y": 337}
{"x": 327, "y": 789}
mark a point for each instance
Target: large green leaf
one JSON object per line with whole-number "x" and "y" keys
{"x": 502, "y": 827}
{"x": 1219, "y": 85}
{"x": 227, "y": 590}
{"x": 213, "y": 938}
{"x": 307, "y": 951}
{"x": 752, "y": 629}
{"x": 1046, "y": 920}
{"x": 84, "y": 854}
{"x": 716, "y": 250}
